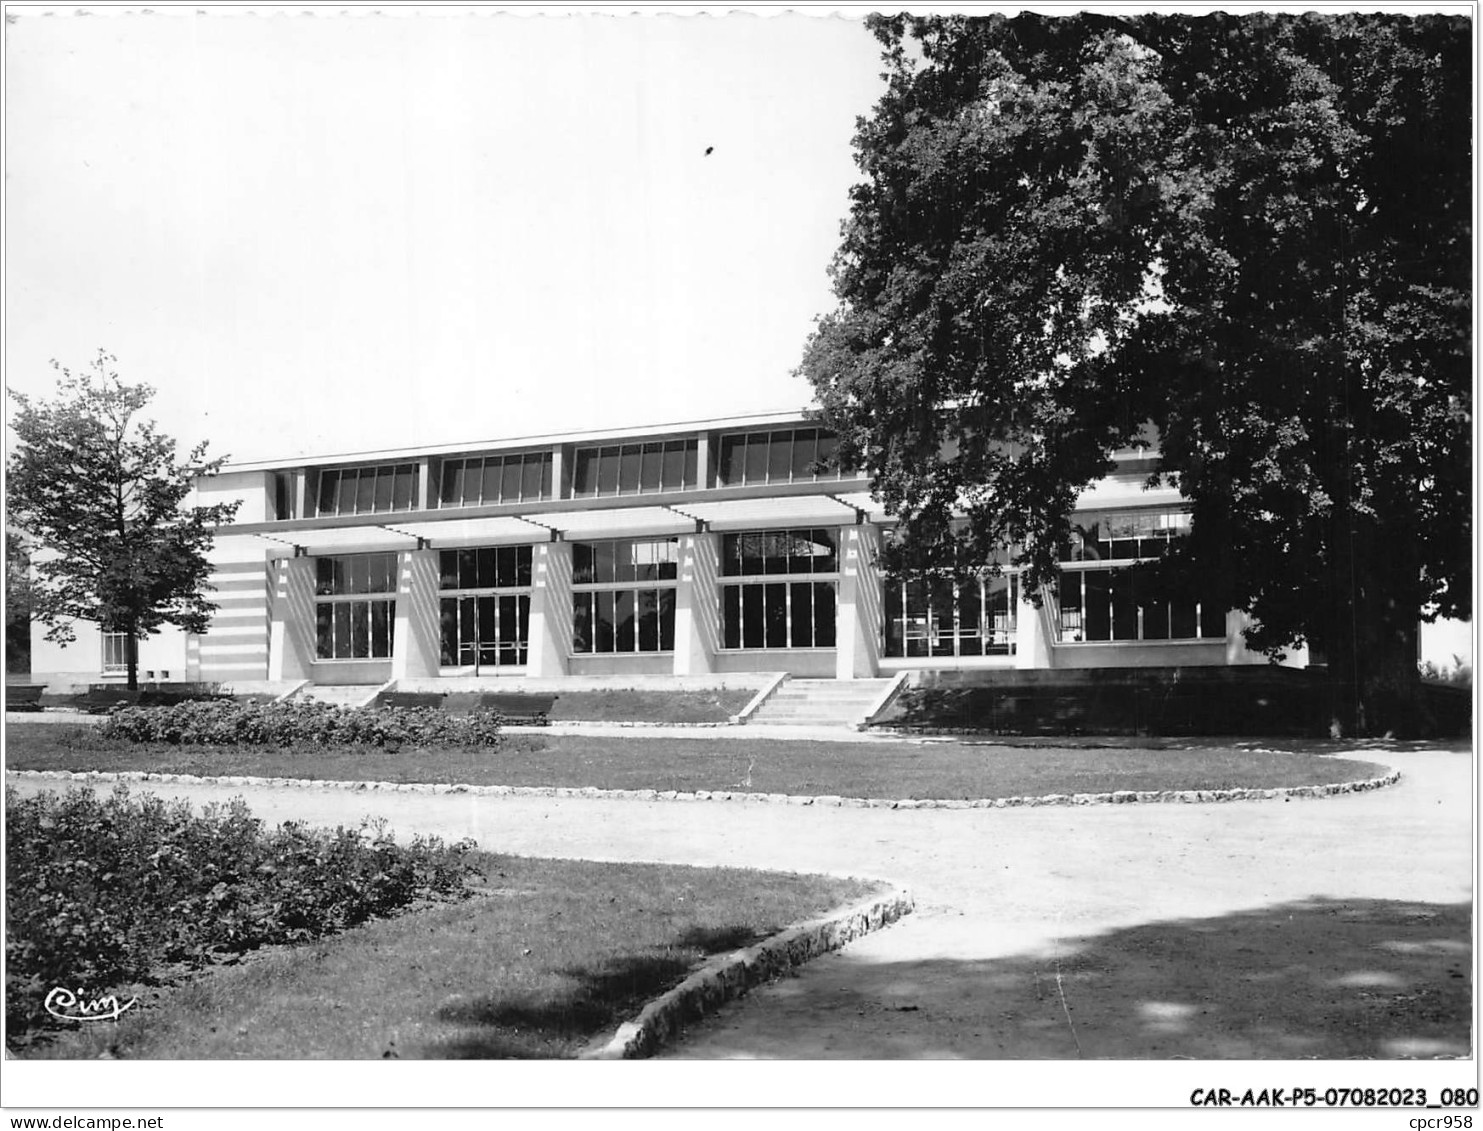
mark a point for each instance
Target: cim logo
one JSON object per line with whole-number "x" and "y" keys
{"x": 70, "y": 1006}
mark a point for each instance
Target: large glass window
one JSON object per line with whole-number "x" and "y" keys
{"x": 485, "y": 606}
{"x": 1102, "y": 602}
{"x": 349, "y": 623}
{"x": 115, "y": 651}
{"x": 610, "y": 612}
{"x": 482, "y": 480}
{"x": 367, "y": 490}
{"x": 794, "y": 607}
{"x": 635, "y": 469}
{"x": 789, "y": 455}
{"x": 939, "y": 617}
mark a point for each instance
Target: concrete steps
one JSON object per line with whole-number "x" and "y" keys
{"x": 341, "y": 695}
{"x": 820, "y": 702}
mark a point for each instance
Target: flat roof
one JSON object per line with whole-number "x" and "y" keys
{"x": 597, "y": 435}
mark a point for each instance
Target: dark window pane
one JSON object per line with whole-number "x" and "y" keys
{"x": 894, "y": 612}
{"x": 753, "y": 549}
{"x": 504, "y": 572}
{"x": 756, "y": 471}
{"x": 1183, "y": 624}
{"x": 383, "y": 573}
{"x": 360, "y": 629}
{"x": 669, "y": 559}
{"x": 776, "y": 545}
{"x": 342, "y": 630}
{"x": 1124, "y": 610}
{"x": 381, "y": 629}
{"x": 584, "y": 475}
{"x": 651, "y": 467}
{"x": 365, "y": 491}
{"x": 582, "y": 622}
{"x": 623, "y": 561}
{"x": 385, "y": 478}
{"x": 1073, "y": 626}
{"x": 648, "y": 620}
{"x": 731, "y": 616}
{"x": 582, "y": 568}
{"x": 547, "y": 472}
{"x": 753, "y": 635}
{"x": 448, "y": 617}
{"x": 324, "y": 576}
{"x": 605, "y": 626}
{"x": 448, "y": 569}
{"x": 777, "y": 616}
{"x": 511, "y": 631}
{"x": 823, "y": 615}
{"x": 346, "y": 502}
{"x": 730, "y": 555}
{"x": 666, "y": 620}
{"x": 485, "y": 487}
{"x": 523, "y": 559}
{"x": 522, "y": 610}
{"x": 733, "y": 460}
{"x": 607, "y": 472}
{"x": 404, "y": 488}
{"x": 805, "y": 445}
{"x": 623, "y": 613}
{"x": 468, "y": 572}
{"x": 359, "y": 570}
{"x": 324, "y": 639}
{"x": 780, "y": 457}
{"x": 602, "y": 562}
{"x": 629, "y": 465}
{"x": 452, "y": 494}
{"x": 329, "y": 486}
{"x": 484, "y": 575}
{"x": 801, "y": 634}
{"x": 1098, "y": 588}
{"x": 691, "y": 463}
{"x": 512, "y": 471}
{"x": 530, "y": 475}
{"x": 672, "y": 478}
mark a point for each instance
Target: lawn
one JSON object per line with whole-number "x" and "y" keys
{"x": 551, "y": 955}
{"x": 711, "y": 761}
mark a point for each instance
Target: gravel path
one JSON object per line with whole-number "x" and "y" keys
{"x": 1003, "y": 896}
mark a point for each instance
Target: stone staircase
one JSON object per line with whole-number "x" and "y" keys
{"x": 341, "y": 695}
{"x": 820, "y": 702}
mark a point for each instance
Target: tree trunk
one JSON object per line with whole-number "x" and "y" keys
{"x": 131, "y": 654}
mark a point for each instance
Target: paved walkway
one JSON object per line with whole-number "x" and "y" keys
{"x": 1007, "y": 900}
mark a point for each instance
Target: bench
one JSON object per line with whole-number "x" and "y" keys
{"x": 20, "y": 697}
{"x": 526, "y": 706}
{"x": 403, "y": 700}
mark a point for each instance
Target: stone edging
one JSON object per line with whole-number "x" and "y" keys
{"x": 730, "y": 976}
{"x": 1119, "y": 797}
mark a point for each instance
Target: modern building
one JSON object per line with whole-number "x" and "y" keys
{"x": 706, "y": 550}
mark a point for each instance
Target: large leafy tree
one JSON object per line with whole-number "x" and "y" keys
{"x": 1252, "y": 232}
{"x": 104, "y": 495}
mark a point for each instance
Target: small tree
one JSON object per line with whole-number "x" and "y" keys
{"x": 17, "y": 604}
{"x": 104, "y": 494}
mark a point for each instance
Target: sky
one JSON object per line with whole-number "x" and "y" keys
{"x": 323, "y": 233}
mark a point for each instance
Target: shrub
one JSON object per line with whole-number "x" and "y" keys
{"x": 105, "y": 892}
{"x": 223, "y": 722}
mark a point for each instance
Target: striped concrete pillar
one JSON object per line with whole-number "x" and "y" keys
{"x": 550, "y": 632}
{"x": 236, "y": 644}
{"x": 291, "y": 651}
{"x": 859, "y": 610}
{"x": 415, "y": 646}
{"x": 698, "y": 605}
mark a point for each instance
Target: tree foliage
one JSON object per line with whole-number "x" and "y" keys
{"x": 103, "y": 492}
{"x": 1252, "y": 232}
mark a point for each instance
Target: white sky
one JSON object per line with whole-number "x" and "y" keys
{"x": 320, "y": 233}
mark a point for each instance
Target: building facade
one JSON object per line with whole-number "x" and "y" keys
{"x": 713, "y": 549}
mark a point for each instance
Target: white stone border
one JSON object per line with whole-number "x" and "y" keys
{"x": 729, "y": 976}
{"x": 1118, "y": 797}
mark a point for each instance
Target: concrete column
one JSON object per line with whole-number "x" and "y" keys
{"x": 698, "y": 605}
{"x": 550, "y": 640}
{"x": 291, "y": 627}
{"x": 415, "y": 648}
{"x": 1236, "y": 650}
{"x": 860, "y": 608}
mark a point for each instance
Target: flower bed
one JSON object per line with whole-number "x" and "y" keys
{"x": 104, "y": 892}
{"x": 227, "y": 723}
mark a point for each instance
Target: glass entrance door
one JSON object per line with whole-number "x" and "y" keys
{"x": 485, "y": 630}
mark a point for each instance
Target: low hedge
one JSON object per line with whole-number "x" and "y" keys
{"x": 106, "y": 892}
{"x": 226, "y": 723}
